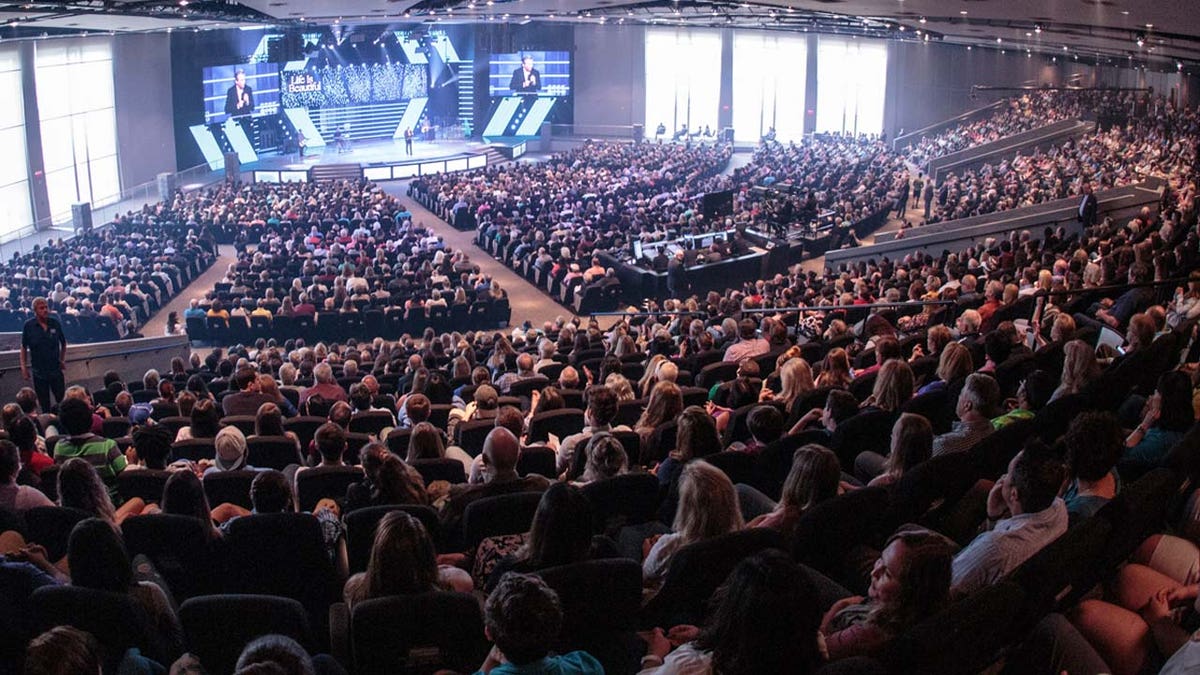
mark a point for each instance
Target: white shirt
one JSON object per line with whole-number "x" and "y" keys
{"x": 994, "y": 554}
{"x": 687, "y": 660}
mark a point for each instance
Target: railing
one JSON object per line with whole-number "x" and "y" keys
{"x": 624, "y": 132}
{"x": 793, "y": 310}
{"x": 913, "y": 137}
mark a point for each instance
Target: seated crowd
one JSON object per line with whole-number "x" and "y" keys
{"x": 327, "y": 253}
{"x": 120, "y": 273}
{"x": 999, "y": 466}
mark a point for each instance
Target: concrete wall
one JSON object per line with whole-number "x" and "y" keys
{"x": 610, "y": 76}
{"x": 145, "y": 112}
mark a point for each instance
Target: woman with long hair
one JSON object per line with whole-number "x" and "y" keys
{"x": 815, "y": 477}
{"x": 605, "y": 457}
{"x": 387, "y": 480}
{"x": 620, "y": 386}
{"x": 1167, "y": 416}
{"x": 696, "y": 436}
{"x": 206, "y": 421}
{"x": 268, "y": 421}
{"x": 954, "y": 365}
{"x": 183, "y": 495}
{"x": 912, "y": 443}
{"x": 80, "y": 487}
{"x": 893, "y": 386}
{"x": 764, "y": 620}
{"x": 664, "y": 405}
{"x": 1080, "y": 369}
{"x": 645, "y": 386}
{"x": 909, "y": 583}
{"x": 98, "y": 560}
{"x": 403, "y": 562}
{"x": 561, "y": 534}
{"x": 835, "y": 370}
{"x": 795, "y": 383}
{"x": 708, "y": 507}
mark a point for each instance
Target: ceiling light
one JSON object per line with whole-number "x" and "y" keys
{"x": 1028, "y": 34}
{"x": 999, "y": 40}
{"x": 1037, "y": 28}
{"x": 922, "y": 20}
{"x": 963, "y": 12}
{"x": 968, "y": 47}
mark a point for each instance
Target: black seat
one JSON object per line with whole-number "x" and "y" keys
{"x": 829, "y": 534}
{"x": 114, "y": 619}
{"x": 229, "y": 487}
{"x": 305, "y": 427}
{"x": 525, "y": 388}
{"x": 600, "y": 600}
{"x": 868, "y": 430}
{"x": 51, "y": 527}
{"x": 397, "y": 441}
{"x": 740, "y": 467}
{"x": 450, "y": 470}
{"x": 284, "y": 554}
{"x": 417, "y": 634}
{"x": 218, "y": 627}
{"x": 472, "y": 434}
{"x": 243, "y": 423}
{"x": 539, "y": 460}
{"x": 371, "y": 421}
{"x": 146, "y": 484}
{"x": 934, "y": 406}
{"x": 1058, "y": 575}
{"x": 713, "y": 373}
{"x": 502, "y": 514}
{"x": 561, "y": 423}
{"x": 272, "y": 452}
{"x": 963, "y": 638}
{"x": 317, "y": 483}
{"x": 180, "y": 548}
{"x": 194, "y": 449}
{"x": 697, "y": 570}
{"x": 115, "y": 427}
{"x": 628, "y": 499}
{"x": 361, "y": 524}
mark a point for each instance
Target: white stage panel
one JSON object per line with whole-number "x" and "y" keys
{"x": 241, "y": 144}
{"x": 208, "y": 146}
{"x": 304, "y": 124}
{"x": 412, "y": 115}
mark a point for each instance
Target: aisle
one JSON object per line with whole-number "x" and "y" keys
{"x": 202, "y": 284}
{"x": 528, "y": 302}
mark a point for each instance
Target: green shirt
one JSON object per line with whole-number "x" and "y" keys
{"x": 102, "y": 453}
{"x": 1012, "y": 416}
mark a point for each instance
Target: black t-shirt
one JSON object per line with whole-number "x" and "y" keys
{"x": 44, "y": 345}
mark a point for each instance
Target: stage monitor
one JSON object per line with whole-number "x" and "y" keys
{"x": 548, "y": 74}
{"x": 717, "y": 204}
{"x": 241, "y": 90}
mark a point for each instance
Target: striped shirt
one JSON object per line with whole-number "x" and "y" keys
{"x": 994, "y": 554}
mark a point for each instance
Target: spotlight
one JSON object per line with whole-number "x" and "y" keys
{"x": 1037, "y": 28}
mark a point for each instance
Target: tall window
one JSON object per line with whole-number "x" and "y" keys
{"x": 15, "y": 210}
{"x": 79, "y": 138}
{"x": 768, "y": 85}
{"x": 851, "y": 78}
{"x": 683, "y": 79}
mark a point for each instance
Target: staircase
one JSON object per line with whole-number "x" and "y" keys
{"x": 495, "y": 157}
{"x": 326, "y": 172}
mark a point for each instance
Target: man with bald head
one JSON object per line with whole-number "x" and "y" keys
{"x": 524, "y": 372}
{"x": 501, "y": 450}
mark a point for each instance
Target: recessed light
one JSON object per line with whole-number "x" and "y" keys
{"x": 963, "y": 12}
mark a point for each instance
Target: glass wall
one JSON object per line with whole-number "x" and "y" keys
{"x": 683, "y": 79}
{"x": 851, "y": 81}
{"x": 15, "y": 210}
{"x": 78, "y": 123}
{"x": 768, "y": 85}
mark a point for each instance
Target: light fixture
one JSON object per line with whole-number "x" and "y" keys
{"x": 1037, "y": 28}
{"x": 922, "y": 20}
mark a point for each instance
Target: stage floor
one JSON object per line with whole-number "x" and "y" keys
{"x": 367, "y": 152}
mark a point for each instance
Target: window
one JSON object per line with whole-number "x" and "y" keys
{"x": 16, "y": 212}
{"x": 683, "y": 79}
{"x": 78, "y": 123}
{"x": 851, "y": 78}
{"x": 768, "y": 85}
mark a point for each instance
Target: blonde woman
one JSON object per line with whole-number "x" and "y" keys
{"x": 650, "y": 378}
{"x": 912, "y": 443}
{"x": 665, "y": 404}
{"x": 620, "y": 386}
{"x": 795, "y": 383}
{"x": 1079, "y": 369}
{"x": 955, "y": 364}
{"x": 893, "y": 386}
{"x": 815, "y": 477}
{"x": 708, "y": 508}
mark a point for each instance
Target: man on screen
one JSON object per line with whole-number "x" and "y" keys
{"x": 526, "y": 79}
{"x": 239, "y": 100}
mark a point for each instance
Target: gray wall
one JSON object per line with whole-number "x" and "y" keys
{"x": 931, "y": 82}
{"x": 610, "y": 76}
{"x": 145, "y": 114}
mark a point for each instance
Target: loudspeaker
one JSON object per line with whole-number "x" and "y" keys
{"x": 233, "y": 168}
{"x": 81, "y": 217}
{"x": 639, "y": 131}
{"x": 166, "y": 186}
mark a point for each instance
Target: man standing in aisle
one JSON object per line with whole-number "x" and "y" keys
{"x": 44, "y": 349}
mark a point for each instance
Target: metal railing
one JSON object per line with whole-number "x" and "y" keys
{"x": 786, "y": 310}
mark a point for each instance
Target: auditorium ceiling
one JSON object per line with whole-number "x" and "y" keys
{"x": 1159, "y": 32}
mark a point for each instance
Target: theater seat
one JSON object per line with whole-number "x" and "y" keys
{"x": 415, "y": 634}
{"x": 218, "y": 627}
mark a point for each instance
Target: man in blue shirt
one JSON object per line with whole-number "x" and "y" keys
{"x": 522, "y": 617}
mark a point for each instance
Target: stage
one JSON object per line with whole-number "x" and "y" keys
{"x": 381, "y": 151}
